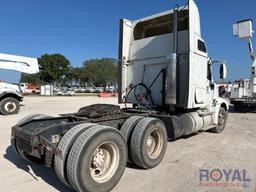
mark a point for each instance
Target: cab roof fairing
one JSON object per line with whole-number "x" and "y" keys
{"x": 135, "y": 22}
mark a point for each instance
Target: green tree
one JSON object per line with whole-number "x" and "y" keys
{"x": 79, "y": 76}
{"x": 54, "y": 68}
{"x": 101, "y": 71}
{"x": 33, "y": 79}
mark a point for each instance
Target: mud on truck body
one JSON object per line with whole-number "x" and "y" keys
{"x": 165, "y": 73}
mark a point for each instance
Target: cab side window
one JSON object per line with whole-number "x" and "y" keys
{"x": 201, "y": 46}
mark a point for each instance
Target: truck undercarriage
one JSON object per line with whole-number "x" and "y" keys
{"x": 38, "y": 135}
{"x": 50, "y": 140}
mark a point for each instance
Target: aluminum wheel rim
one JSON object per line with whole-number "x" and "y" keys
{"x": 154, "y": 143}
{"x": 104, "y": 162}
{"x": 10, "y": 106}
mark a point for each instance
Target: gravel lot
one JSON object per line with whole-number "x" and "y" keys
{"x": 179, "y": 171}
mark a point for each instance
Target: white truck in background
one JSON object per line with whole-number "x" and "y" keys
{"x": 10, "y": 94}
{"x": 243, "y": 93}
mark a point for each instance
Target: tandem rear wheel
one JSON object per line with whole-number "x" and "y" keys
{"x": 93, "y": 158}
{"x": 146, "y": 140}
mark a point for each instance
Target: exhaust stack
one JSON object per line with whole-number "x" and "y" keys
{"x": 171, "y": 78}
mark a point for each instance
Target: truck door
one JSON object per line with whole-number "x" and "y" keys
{"x": 202, "y": 90}
{"x": 200, "y": 93}
{"x": 126, "y": 27}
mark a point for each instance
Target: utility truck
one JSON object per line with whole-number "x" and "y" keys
{"x": 28, "y": 88}
{"x": 165, "y": 73}
{"x": 243, "y": 93}
{"x": 10, "y": 94}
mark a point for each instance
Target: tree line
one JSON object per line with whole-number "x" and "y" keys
{"x": 56, "y": 69}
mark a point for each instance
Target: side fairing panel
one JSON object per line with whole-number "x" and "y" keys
{"x": 197, "y": 62}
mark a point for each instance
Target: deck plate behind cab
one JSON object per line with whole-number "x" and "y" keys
{"x": 97, "y": 110}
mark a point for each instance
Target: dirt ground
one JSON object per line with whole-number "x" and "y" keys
{"x": 232, "y": 152}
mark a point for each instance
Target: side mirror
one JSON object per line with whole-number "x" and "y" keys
{"x": 223, "y": 71}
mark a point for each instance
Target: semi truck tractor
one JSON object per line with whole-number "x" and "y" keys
{"x": 166, "y": 84}
{"x": 243, "y": 93}
{"x": 10, "y": 94}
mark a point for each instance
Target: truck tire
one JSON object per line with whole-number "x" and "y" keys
{"x": 64, "y": 147}
{"x": 127, "y": 129}
{"x": 222, "y": 120}
{"x": 148, "y": 143}
{"x": 97, "y": 159}
{"x": 9, "y": 106}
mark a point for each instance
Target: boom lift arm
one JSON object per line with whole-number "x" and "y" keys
{"x": 18, "y": 63}
{"x": 243, "y": 30}
{"x": 252, "y": 54}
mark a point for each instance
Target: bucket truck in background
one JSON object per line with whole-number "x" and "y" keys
{"x": 243, "y": 93}
{"x": 10, "y": 94}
